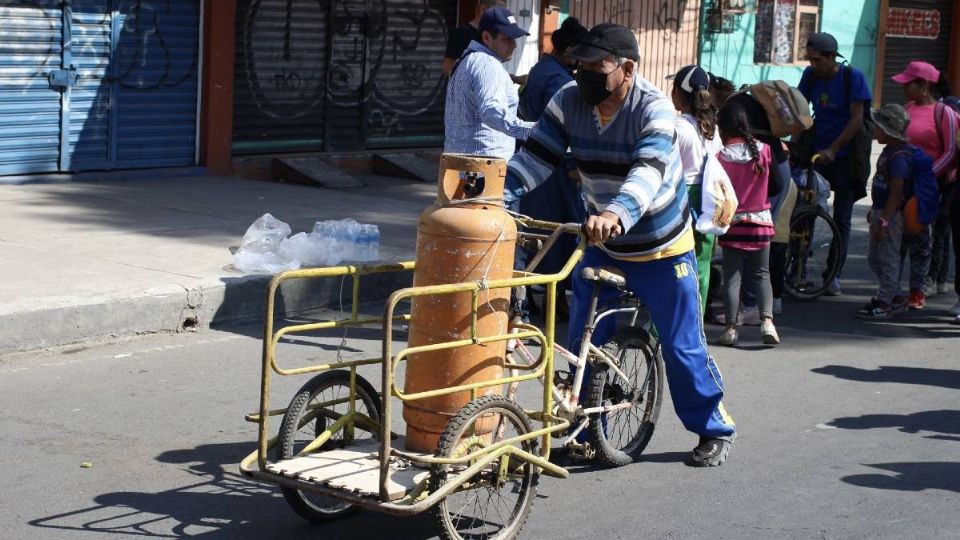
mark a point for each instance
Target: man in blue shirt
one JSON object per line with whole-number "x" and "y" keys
{"x": 840, "y": 97}
{"x": 481, "y": 111}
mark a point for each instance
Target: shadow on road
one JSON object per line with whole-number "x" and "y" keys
{"x": 945, "y": 378}
{"x": 911, "y": 476}
{"x": 944, "y": 422}
{"x": 220, "y": 504}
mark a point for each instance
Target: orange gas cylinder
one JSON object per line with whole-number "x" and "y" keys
{"x": 466, "y": 236}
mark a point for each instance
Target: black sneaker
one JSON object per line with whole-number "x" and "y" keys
{"x": 875, "y": 309}
{"x": 710, "y": 452}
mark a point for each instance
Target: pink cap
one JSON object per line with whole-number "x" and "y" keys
{"x": 917, "y": 70}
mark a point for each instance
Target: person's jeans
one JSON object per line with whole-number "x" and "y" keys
{"x": 883, "y": 256}
{"x": 917, "y": 247}
{"x": 838, "y": 174}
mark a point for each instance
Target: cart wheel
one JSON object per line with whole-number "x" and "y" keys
{"x": 301, "y": 426}
{"x": 487, "y": 506}
{"x": 620, "y": 436}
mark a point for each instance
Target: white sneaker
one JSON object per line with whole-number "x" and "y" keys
{"x": 834, "y": 288}
{"x": 942, "y": 288}
{"x": 729, "y": 337}
{"x": 931, "y": 287}
{"x": 955, "y": 310}
{"x": 769, "y": 333}
{"x": 749, "y": 316}
{"x": 777, "y": 306}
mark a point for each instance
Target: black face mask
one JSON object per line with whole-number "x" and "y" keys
{"x": 592, "y": 85}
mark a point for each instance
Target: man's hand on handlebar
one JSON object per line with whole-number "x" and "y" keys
{"x": 601, "y": 228}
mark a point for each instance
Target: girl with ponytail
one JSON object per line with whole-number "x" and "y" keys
{"x": 746, "y": 244}
{"x": 697, "y": 136}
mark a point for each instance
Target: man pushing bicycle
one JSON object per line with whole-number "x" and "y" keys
{"x": 620, "y": 130}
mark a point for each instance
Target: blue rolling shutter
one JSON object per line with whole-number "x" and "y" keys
{"x": 30, "y": 47}
{"x": 155, "y": 81}
{"x": 89, "y": 99}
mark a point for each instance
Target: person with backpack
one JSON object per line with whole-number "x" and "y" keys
{"x": 933, "y": 128}
{"x": 893, "y": 171}
{"x": 697, "y": 137}
{"x": 840, "y": 98}
{"x": 773, "y": 110}
{"x": 747, "y": 242}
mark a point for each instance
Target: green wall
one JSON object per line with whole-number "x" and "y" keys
{"x": 853, "y": 23}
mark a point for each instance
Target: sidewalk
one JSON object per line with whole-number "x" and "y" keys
{"x": 90, "y": 260}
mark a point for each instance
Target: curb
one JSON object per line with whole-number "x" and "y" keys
{"x": 221, "y": 303}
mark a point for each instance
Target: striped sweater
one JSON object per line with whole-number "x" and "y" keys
{"x": 630, "y": 166}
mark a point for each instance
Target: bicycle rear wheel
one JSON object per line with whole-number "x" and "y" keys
{"x": 813, "y": 254}
{"x": 620, "y": 436}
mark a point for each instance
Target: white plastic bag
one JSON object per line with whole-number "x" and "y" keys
{"x": 258, "y": 251}
{"x": 810, "y": 179}
{"x": 718, "y": 200}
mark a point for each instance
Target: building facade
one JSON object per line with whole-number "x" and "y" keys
{"x": 747, "y": 41}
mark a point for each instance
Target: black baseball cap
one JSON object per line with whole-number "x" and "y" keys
{"x": 604, "y": 40}
{"x": 823, "y": 43}
{"x": 501, "y": 20}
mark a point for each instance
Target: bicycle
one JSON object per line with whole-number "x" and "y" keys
{"x": 623, "y": 377}
{"x": 813, "y": 252}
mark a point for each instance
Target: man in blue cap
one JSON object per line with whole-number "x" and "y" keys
{"x": 620, "y": 130}
{"x": 481, "y": 111}
{"x": 840, "y": 98}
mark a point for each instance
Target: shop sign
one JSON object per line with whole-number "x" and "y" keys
{"x": 913, "y": 23}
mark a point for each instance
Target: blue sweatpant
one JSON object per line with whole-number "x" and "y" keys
{"x": 669, "y": 288}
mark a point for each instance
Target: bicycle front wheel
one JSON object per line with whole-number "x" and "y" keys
{"x": 620, "y": 435}
{"x": 813, "y": 254}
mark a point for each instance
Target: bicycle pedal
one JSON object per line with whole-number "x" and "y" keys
{"x": 562, "y": 377}
{"x": 581, "y": 451}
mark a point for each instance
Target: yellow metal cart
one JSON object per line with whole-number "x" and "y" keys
{"x": 336, "y": 449}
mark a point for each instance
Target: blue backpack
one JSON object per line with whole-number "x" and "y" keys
{"x": 922, "y": 185}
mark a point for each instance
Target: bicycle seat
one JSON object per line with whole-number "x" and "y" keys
{"x": 611, "y": 277}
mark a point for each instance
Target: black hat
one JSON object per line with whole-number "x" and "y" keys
{"x": 823, "y": 43}
{"x": 691, "y": 78}
{"x": 604, "y": 40}
{"x": 569, "y": 34}
{"x": 501, "y": 20}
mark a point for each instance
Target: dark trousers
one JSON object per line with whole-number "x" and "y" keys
{"x": 838, "y": 174}
{"x": 940, "y": 252}
{"x": 954, "y": 213}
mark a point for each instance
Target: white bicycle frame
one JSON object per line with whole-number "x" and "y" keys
{"x": 570, "y": 402}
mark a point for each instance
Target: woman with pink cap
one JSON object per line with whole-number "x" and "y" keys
{"x": 933, "y": 127}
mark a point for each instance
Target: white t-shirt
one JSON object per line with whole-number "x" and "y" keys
{"x": 691, "y": 147}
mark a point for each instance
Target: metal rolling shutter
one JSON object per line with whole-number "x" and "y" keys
{"x": 369, "y": 79}
{"x": 91, "y": 44}
{"x": 900, "y": 51}
{"x": 30, "y": 47}
{"x": 154, "y": 77}
{"x": 406, "y": 98}
{"x": 279, "y": 84}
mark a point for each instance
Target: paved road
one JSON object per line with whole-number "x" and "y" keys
{"x": 848, "y": 430}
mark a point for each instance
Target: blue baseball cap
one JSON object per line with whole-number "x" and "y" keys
{"x": 500, "y": 19}
{"x": 691, "y": 78}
